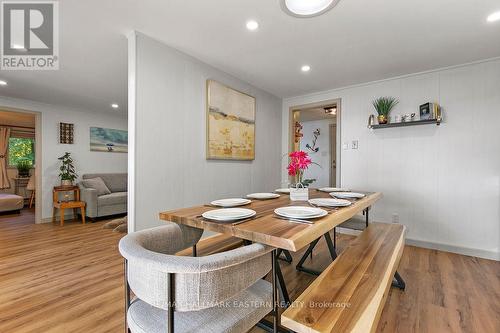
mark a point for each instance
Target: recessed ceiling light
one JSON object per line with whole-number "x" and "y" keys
{"x": 252, "y": 25}
{"x": 3, "y": 83}
{"x": 305, "y": 68}
{"x": 307, "y": 8}
{"x": 494, "y": 17}
{"x": 114, "y": 106}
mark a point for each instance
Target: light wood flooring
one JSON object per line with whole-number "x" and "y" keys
{"x": 69, "y": 279}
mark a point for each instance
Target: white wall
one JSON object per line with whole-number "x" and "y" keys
{"x": 322, "y": 157}
{"x": 167, "y": 117}
{"x": 86, "y": 161}
{"x": 443, "y": 182}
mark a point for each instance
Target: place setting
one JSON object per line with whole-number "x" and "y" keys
{"x": 333, "y": 189}
{"x": 347, "y": 195}
{"x": 263, "y": 196}
{"x": 300, "y": 214}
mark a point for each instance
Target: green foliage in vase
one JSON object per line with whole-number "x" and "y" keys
{"x": 384, "y": 105}
{"x": 67, "y": 169}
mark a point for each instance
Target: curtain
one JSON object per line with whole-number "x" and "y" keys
{"x": 4, "y": 146}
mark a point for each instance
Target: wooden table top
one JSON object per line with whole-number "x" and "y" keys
{"x": 265, "y": 228}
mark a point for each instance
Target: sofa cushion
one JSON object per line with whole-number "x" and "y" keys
{"x": 97, "y": 184}
{"x": 10, "y": 202}
{"x": 116, "y": 182}
{"x": 112, "y": 199}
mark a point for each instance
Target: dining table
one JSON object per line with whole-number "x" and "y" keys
{"x": 268, "y": 228}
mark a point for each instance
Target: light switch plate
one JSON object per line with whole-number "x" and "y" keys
{"x": 345, "y": 146}
{"x": 354, "y": 144}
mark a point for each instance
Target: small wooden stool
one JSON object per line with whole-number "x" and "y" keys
{"x": 62, "y": 205}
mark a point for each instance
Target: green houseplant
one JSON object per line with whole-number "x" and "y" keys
{"x": 23, "y": 168}
{"x": 383, "y": 106}
{"x": 67, "y": 170}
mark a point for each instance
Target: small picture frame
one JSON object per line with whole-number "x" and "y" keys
{"x": 426, "y": 111}
{"x": 66, "y": 133}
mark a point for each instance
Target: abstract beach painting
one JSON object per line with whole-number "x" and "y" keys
{"x": 230, "y": 123}
{"x": 108, "y": 140}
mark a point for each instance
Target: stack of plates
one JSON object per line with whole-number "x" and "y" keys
{"x": 234, "y": 202}
{"x": 326, "y": 202}
{"x": 229, "y": 214}
{"x": 282, "y": 190}
{"x": 347, "y": 195}
{"x": 263, "y": 196}
{"x": 333, "y": 189}
{"x": 300, "y": 212}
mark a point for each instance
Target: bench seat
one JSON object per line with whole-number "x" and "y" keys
{"x": 213, "y": 244}
{"x": 350, "y": 294}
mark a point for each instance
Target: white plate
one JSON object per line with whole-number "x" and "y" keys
{"x": 327, "y": 202}
{"x": 228, "y": 214}
{"x": 347, "y": 195}
{"x": 282, "y": 190}
{"x": 263, "y": 196}
{"x": 233, "y": 202}
{"x": 333, "y": 189}
{"x": 300, "y": 212}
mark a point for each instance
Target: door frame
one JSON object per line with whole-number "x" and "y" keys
{"x": 330, "y": 127}
{"x": 38, "y": 159}
{"x": 291, "y": 130}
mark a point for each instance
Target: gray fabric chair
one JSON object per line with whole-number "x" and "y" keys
{"x": 223, "y": 292}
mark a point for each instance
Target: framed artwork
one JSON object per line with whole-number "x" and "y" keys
{"x": 66, "y": 133}
{"x": 108, "y": 140}
{"x": 230, "y": 123}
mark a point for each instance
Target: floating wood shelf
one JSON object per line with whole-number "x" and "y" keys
{"x": 407, "y": 123}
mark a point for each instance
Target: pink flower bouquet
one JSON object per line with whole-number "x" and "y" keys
{"x": 299, "y": 162}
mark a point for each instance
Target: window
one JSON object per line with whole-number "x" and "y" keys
{"x": 21, "y": 149}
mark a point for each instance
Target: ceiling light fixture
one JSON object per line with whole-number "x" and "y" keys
{"x": 114, "y": 106}
{"x": 3, "y": 83}
{"x": 252, "y": 25}
{"x": 305, "y": 68}
{"x": 494, "y": 17}
{"x": 307, "y": 8}
{"x": 331, "y": 110}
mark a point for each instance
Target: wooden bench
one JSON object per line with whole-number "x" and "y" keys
{"x": 350, "y": 294}
{"x": 213, "y": 244}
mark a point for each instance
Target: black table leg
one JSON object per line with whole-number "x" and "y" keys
{"x": 331, "y": 248}
{"x": 287, "y": 256}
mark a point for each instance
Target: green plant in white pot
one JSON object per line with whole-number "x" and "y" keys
{"x": 383, "y": 106}
{"x": 67, "y": 171}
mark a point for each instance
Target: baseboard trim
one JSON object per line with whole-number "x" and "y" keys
{"x": 484, "y": 254}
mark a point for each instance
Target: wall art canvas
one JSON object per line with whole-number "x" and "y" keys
{"x": 66, "y": 133}
{"x": 108, "y": 140}
{"x": 230, "y": 123}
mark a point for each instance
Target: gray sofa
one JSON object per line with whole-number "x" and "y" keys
{"x": 108, "y": 204}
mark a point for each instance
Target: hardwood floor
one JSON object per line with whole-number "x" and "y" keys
{"x": 69, "y": 279}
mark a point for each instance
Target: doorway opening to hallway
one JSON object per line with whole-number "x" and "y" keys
{"x": 315, "y": 129}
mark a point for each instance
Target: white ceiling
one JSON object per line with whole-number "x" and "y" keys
{"x": 358, "y": 41}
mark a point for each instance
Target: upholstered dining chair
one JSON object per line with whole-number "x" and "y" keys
{"x": 31, "y": 187}
{"x": 223, "y": 292}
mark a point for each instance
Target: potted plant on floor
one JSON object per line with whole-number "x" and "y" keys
{"x": 383, "y": 106}
{"x": 23, "y": 168}
{"x": 67, "y": 170}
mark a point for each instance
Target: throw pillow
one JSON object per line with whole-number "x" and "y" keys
{"x": 97, "y": 184}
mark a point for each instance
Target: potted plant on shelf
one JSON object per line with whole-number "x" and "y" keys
{"x": 23, "y": 168}
{"x": 299, "y": 162}
{"x": 383, "y": 106}
{"x": 67, "y": 170}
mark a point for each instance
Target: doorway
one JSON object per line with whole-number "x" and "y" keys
{"x": 20, "y": 167}
{"x": 315, "y": 129}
